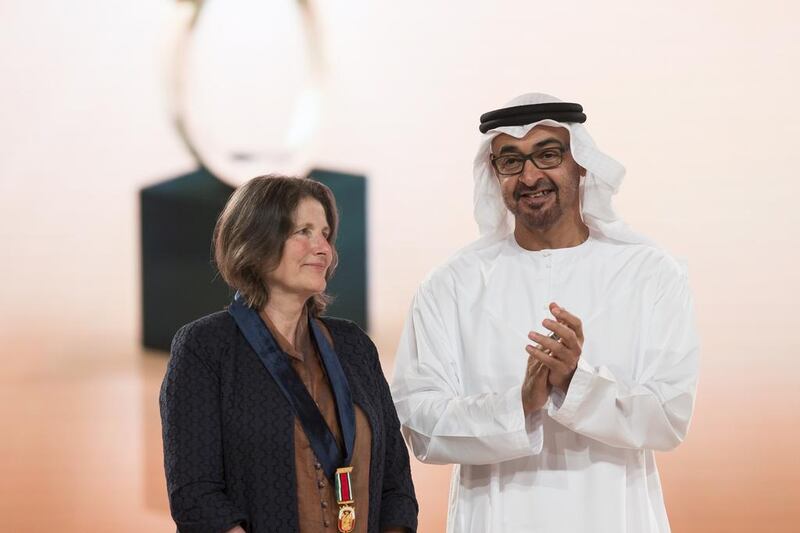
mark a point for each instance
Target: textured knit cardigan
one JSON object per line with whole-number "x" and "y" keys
{"x": 229, "y": 433}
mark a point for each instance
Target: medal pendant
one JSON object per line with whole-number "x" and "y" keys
{"x": 344, "y": 497}
{"x": 347, "y": 518}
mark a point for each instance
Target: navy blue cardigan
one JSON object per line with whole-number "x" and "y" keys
{"x": 229, "y": 433}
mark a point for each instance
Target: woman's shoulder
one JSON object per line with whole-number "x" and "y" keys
{"x": 357, "y": 352}
{"x": 206, "y": 331}
{"x": 348, "y": 335}
{"x": 342, "y": 326}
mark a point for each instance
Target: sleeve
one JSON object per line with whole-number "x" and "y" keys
{"x": 440, "y": 422}
{"x": 653, "y": 410}
{"x": 191, "y": 431}
{"x": 399, "y": 506}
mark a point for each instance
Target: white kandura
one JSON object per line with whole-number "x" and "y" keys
{"x": 586, "y": 461}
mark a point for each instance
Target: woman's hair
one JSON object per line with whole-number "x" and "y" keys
{"x": 252, "y": 230}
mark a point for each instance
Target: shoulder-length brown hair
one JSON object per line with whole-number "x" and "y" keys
{"x": 252, "y": 230}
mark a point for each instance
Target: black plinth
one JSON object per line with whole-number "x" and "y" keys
{"x": 179, "y": 282}
{"x": 349, "y": 284}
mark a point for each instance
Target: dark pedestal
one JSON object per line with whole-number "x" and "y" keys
{"x": 179, "y": 282}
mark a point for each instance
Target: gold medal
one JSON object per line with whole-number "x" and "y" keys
{"x": 344, "y": 497}
{"x": 347, "y": 518}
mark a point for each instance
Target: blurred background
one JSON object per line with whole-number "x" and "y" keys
{"x": 697, "y": 99}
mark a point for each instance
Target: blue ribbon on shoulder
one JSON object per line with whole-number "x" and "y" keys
{"x": 277, "y": 364}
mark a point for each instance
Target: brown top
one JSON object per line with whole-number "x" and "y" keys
{"x": 316, "y": 495}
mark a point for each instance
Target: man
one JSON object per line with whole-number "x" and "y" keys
{"x": 549, "y": 359}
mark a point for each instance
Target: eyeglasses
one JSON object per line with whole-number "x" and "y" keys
{"x": 547, "y": 158}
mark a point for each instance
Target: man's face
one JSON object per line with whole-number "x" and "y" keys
{"x": 539, "y": 198}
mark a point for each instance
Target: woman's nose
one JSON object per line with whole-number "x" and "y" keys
{"x": 322, "y": 246}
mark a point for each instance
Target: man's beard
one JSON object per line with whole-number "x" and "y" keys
{"x": 540, "y": 219}
{"x": 537, "y": 219}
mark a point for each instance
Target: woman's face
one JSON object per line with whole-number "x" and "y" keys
{"x": 307, "y": 254}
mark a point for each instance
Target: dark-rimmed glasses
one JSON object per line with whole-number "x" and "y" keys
{"x": 544, "y": 159}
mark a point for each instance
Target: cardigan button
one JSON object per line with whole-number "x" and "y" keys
{"x": 317, "y": 466}
{"x": 324, "y": 504}
{"x": 326, "y": 523}
{"x": 321, "y": 483}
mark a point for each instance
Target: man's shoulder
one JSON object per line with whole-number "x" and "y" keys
{"x": 646, "y": 259}
{"x": 473, "y": 260}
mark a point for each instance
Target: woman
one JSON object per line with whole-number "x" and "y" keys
{"x": 275, "y": 419}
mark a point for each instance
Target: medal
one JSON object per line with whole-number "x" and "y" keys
{"x": 344, "y": 497}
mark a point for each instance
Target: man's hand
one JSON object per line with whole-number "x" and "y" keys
{"x": 559, "y": 356}
{"x": 535, "y": 388}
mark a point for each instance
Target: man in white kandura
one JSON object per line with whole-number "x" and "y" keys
{"x": 549, "y": 359}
